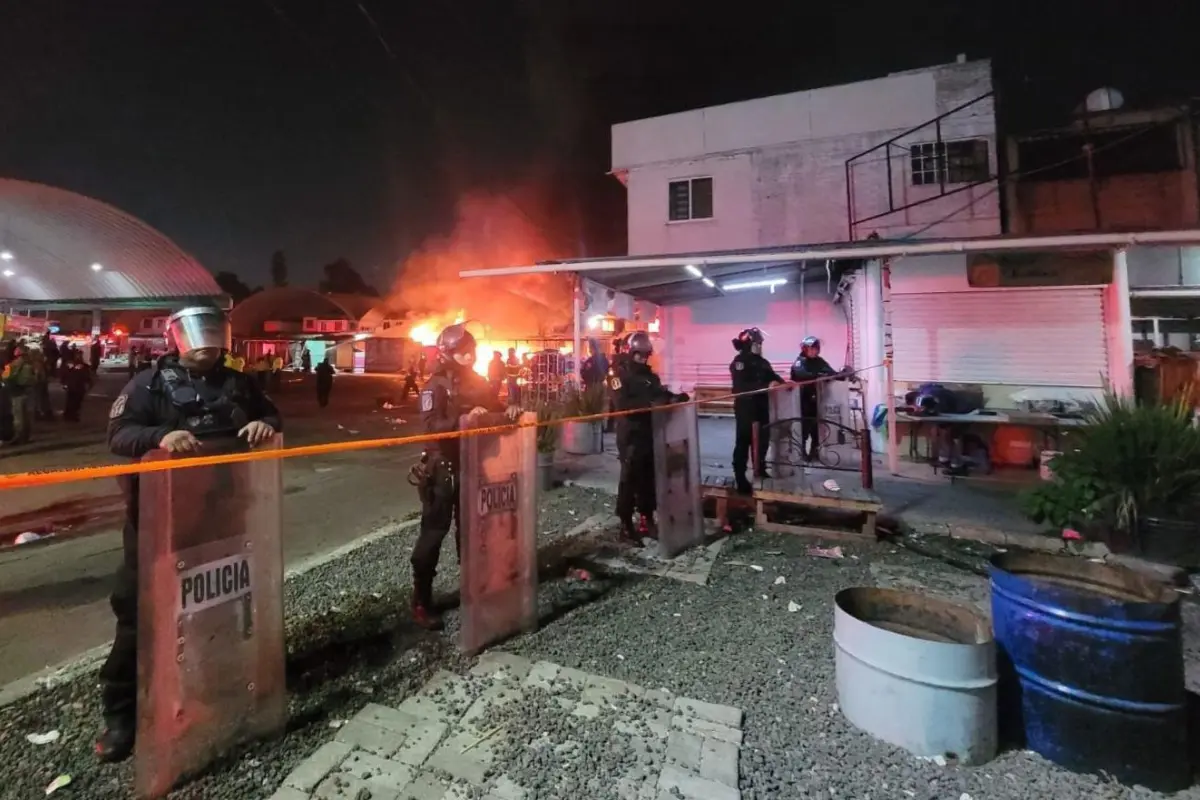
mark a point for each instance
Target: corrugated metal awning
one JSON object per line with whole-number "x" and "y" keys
{"x": 56, "y": 245}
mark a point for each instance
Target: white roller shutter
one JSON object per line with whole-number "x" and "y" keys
{"x": 1042, "y": 337}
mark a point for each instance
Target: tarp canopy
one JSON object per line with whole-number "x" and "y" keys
{"x": 61, "y": 248}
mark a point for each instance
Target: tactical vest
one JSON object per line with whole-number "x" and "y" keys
{"x": 204, "y": 417}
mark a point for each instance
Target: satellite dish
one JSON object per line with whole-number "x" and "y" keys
{"x": 1103, "y": 99}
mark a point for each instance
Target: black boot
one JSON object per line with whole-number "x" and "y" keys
{"x": 116, "y": 742}
{"x": 743, "y": 486}
{"x": 423, "y": 613}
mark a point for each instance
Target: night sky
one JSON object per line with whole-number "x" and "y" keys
{"x": 239, "y": 127}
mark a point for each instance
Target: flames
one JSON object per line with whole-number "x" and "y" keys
{"x": 425, "y": 332}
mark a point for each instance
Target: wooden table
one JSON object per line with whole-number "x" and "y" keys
{"x": 795, "y": 491}
{"x": 1049, "y": 425}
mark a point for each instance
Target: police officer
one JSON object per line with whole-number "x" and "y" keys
{"x": 453, "y": 389}
{"x": 187, "y": 400}
{"x": 613, "y": 374}
{"x": 806, "y": 369}
{"x": 751, "y": 373}
{"x": 638, "y": 387}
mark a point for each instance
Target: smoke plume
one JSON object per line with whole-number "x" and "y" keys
{"x": 490, "y": 230}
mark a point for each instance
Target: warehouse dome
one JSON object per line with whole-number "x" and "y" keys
{"x": 59, "y": 246}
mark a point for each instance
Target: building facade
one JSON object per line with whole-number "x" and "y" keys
{"x": 913, "y": 153}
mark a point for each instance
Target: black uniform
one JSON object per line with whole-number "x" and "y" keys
{"x": 449, "y": 393}
{"x": 612, "y": 379}
{"x": 156, "y": 402}
{"x": 324, "y": 383}
{"x": 637, "y": 387}
{"x": 807, "y": 369}
{"x": 750, "y": 372}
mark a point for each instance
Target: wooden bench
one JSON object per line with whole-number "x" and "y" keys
{"x": 796, "y": 491}
{"x": 706, "y": 396}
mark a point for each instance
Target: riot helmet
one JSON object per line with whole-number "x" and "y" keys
{"x": 640, "y": 347}
{"x": 456, "y": 346}
{"x": 811, "y": 346}
{"x": 199, "y": 334}
{"x": 749, "y": 340}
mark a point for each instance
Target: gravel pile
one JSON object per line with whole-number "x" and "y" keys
{"x": 349, "y": 643}
{"x": 747, "y": 639}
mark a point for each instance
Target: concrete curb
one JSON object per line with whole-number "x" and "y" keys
{"x": 91, "y": 660}
{"x": 1174, "y": 576}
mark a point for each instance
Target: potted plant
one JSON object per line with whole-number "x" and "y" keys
{"x": 584, "y": 438}
{"x": 1132, "y": 477}
{"x": 549, "y": 433}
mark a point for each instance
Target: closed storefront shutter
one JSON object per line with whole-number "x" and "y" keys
{"x": 1021, "y": 337}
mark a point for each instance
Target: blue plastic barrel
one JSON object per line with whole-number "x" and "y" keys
{"x": 1090, "y": 660}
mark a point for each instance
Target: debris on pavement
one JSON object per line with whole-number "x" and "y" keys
{"x": 779, "y": 581}
{"x": 793, "y": 606}
{"x": 831, "y": 486}
{"x": 826, "y": 552}
{"x": 49, "y": 737}
{"x": 58, "y": 783}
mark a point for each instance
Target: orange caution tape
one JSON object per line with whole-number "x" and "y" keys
{"x": 20, "y": 480}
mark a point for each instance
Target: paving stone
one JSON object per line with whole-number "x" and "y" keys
{"x": 728, "y": 716}
{"x": 464, "y": 757}
{"x": 506, "y": 789}
{"x": 499, "y": 694}
{"x": 683, "y": 750}
{"x": 375, "y": 770}
{"x": 587, "y": 710}
{"x": 444, "y": 699}
{"x": 288, "y": 793}
{"x": 387, "y": 718}
{"x": 693, "y": 787}
{"x": 659, "y": 697}
{"x": 542, "y": 675}
{"x": 427, "y": 787}
{"x": 372, "y": 738}
{"x": 570, "y": 677}
{"x": 704, "y": 728}
{"x": 419, "y": 742}
{"x": 313, "y": 769}
{"x": 347, "y": 787}
{"x": 500, "y": 665}
{"x": 719, "y": 762}
{"x": 602, "y": 691}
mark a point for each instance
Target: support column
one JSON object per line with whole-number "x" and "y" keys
{"x": 576, "y": 341}
{"x": 1118, "y": 324}
{"x": 889, "y": 351}
{"x": 95, "y": 322}
{"x": 869, "y": 318}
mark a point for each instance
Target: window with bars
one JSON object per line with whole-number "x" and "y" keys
{"x": 962, "y": 161}
{"x": 690, "y": 199}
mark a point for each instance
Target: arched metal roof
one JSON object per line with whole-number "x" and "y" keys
{"x": 293, "y": 304}
{"x": 56, "y": 245}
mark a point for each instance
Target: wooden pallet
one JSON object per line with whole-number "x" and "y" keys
{"x": 706, "y": 396}
{"x": 797, "y": 491}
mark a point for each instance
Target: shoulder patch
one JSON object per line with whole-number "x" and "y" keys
{"x": 739, "y": 365}
{"x": 118, "y": 407}
{"x": 616, "y": 383}
{"x": 426, "y": 401}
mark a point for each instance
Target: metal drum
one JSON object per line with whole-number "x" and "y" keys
{"x": 916, "y": 672}
{"x": 1091, "y": 665}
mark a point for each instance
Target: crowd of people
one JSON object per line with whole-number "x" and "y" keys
{"x": 28, "y": 368}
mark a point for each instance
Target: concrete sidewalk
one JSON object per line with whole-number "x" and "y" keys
{"x": 917, "y": 497}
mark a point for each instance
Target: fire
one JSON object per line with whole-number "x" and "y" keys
{"x": 426, "y": 333}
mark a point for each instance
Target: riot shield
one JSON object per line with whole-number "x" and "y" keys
{"x": 498, "y": 502}
{"x": 784, "y": 439}
{"x": 677, "y": 479}
{"x": 210, "y": 614}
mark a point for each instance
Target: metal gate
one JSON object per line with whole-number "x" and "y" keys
{"x": 498, "y": 504}
{"x": 210, "y": 615}
{"x": 677, "y": 478}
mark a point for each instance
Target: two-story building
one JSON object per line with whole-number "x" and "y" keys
{"x": 867, "y": 215}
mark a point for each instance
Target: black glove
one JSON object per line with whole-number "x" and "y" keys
{"x": 681, "y": 397}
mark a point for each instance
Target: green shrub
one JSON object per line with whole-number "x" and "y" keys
{"x": 1130, "y": 460}
{"x": 586, "y": 402}
{"x": 548, "y": 435}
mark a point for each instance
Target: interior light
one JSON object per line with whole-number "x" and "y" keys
{"x": 709, "y": 283}
{"x": 769, "y": 284}
{"x": 6, "y": 255}
{"x": 8, "y": 273}
{"x": 97, "y": 267}
{"x": 692, "y": 268}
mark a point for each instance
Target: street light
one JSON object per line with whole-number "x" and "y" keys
{"x": 6, "y": 255}
{"x": 8, "y": 273}
{"x": 97, "y": 267}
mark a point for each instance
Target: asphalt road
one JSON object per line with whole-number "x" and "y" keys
{"x": 54, "y": 593}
